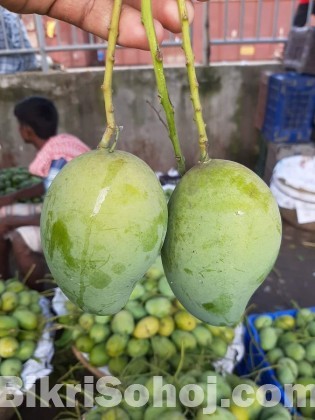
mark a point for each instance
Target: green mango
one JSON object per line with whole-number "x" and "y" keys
{"x": 102, "y": 319}
{"x": 86, "y": 321}
{"x": 287, "y": 370}
{"x": 311, "y": 328}
{"x": 285, "y": 322}
{"x": 307, "y": 390}
{"x": 286, "y": 338}
{"x": 154, "y": 413}
{"x": 150, "y": 286}
{"x": 219, "y": 414}
{"x": 103, "y": 223}
{"x": 35, "y": 308}
{"x": 305, "y": 368}
{"x": 116, "y": 345}
{"x": 27, "y": 320}
{"x": 136, "y": 308}
{"x": 185, "y": 339}
{"x": 164, "y": 288}
{"x": 276, "y": 413}
{"x": 159, "y": 307}
{"x": 310, "y": 352}
{"x": 11, "y": 367}
{"x": 115, "y": 413}
{"x": 268, "y": 338}
{"x": 203, "y": 336}
{"x": 188, "y": 363}
{"x": 8, "y": 347}
{"x": 123, "y": 323}
{"x": 303, "y": 317}
{"x": 219, "y": 347}
{"x": 163, "y": 347}
{"x": 135, "y": 413}
{"x": 155, "y": 272}
{"x": 84, "y": 343}
{"x": 9, "y": 301}
{"x": 8, "y": 326}
{"x": 137, "y": 347}
{"x": 26, "y": 350}
{"x": 99, "y": 333}
{"x": 274, "y": 355}
{"x": 223, "y": 388}
{"x": 117, "y": 365}
{"x": 186, "y": 379}
{"x": 137, "y": 366}
{"x": 29, "y": 335}
{"x": 155, "y": 390}
{"x": 223, "y": 237}
{"x": 35, "y": 296}
{"x": 295, "y": 351}
{"x": 98, "y": 355}
{"x": 137, "y": 292}
{"x": 25, "y": 298}
{"x": 94, "y": 414}
{"x": 173, "y": 415}
{"x": 15, "y": 286}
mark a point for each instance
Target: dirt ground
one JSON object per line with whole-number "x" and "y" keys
{"x": 293, "y": 277}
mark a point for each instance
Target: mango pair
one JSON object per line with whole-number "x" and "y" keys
{"x": 105, "y": 220}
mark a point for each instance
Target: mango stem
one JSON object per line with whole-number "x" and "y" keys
{"x": 113, "y": 31}
{"x": 193, "y": 82}
{"x": 157, "y": 58}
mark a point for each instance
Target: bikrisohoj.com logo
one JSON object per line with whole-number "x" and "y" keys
{"x": 106, "y": 392}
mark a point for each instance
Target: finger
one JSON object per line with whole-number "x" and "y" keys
{"x": 132, "y": 32}
{"x": 27, "y": 6}
{"x": 166, "y": 12}
{"x": 94, "y": 16}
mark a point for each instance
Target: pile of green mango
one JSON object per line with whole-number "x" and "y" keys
{"x": 225, "y": 386}
{"x": 289, "y": 344}
{"x": 152, "y": 328}
{"x": 15, "y": 179}
{"x": 21, "y": 325}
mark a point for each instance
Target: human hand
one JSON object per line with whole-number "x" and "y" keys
{"x": 94, "y": 16}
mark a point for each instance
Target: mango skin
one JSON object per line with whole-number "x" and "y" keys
{"x": 103, "y": 224}
{"x": 223, "y": 237}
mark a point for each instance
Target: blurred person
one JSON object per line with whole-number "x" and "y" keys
{"x": 19, "y": 223}
{"x": 94, "y": 16}
{"x": 300, "y": 18}
{"x": 299, "y": 21}
{"x": 13, "y": 36}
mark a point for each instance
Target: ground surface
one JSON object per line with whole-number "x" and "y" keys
{"x": 293, "y": 278}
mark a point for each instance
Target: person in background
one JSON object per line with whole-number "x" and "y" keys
{"x": 13, "y": 36}
{"x": 300, "y": 18}
{"x": 19, "y": 223}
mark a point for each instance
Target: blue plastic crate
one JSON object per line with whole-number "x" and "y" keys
{"x": 290, "y": 108}
{"x": 255, "y": 358}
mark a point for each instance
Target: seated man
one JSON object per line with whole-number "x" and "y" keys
{"x": 19, "y": 223}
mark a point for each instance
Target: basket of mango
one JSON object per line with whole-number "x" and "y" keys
{"x": 280, "y": 348}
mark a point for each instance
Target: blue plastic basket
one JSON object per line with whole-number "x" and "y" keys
{"x": 255, "y": 358}
{"x": 290, "y": 108}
